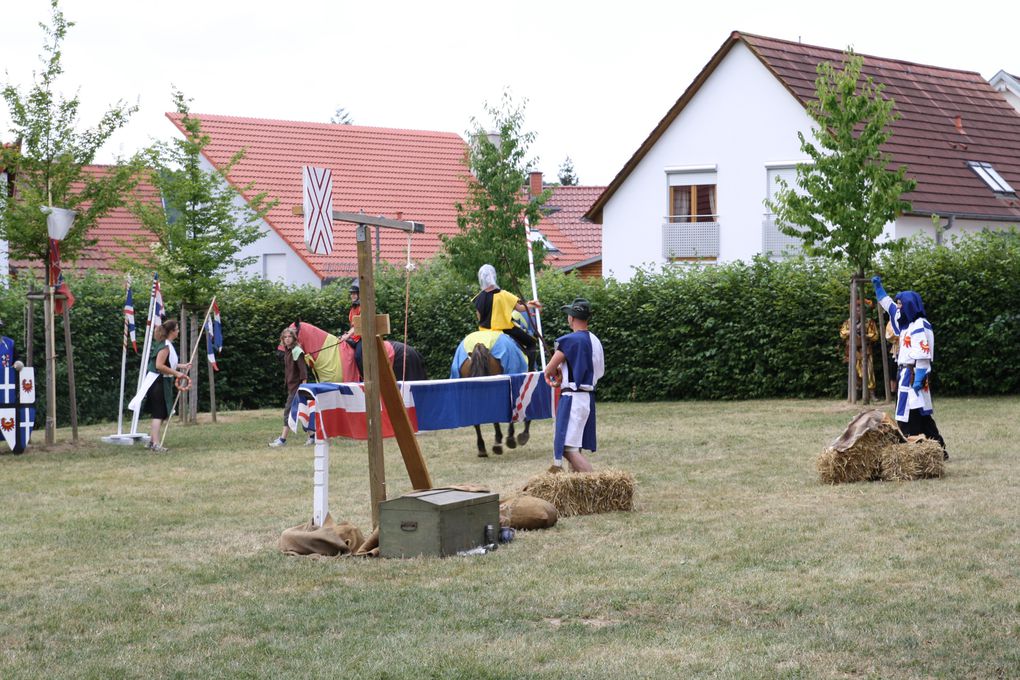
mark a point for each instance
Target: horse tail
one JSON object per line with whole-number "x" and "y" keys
{"x": 480, "y": 358}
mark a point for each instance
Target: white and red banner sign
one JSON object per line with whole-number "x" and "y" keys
{"x": 26, "y": 385}
{"x": 318, "y": 209}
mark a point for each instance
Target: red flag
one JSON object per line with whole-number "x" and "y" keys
{"x": 57, "y": 279}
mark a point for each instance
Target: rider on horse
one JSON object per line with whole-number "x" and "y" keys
{"x": 495, "y": 307}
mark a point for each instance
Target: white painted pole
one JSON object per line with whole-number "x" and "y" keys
{"x": 320, "y": 489}
{"x": 534, "y": 291}
{"x": 146, "y": 348}
{"x": 123, "y": 379}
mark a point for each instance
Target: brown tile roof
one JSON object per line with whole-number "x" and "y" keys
{"x": 110, "y": 232}
{"x": 927, "y": 138}
{"x": 579, "y": 240}
{"x": 400, "y": 174}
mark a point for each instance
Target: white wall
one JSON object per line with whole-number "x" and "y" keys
{"x": 909, "y": 226}
{"x": 741, "y": 119}
{"x": 295, "y": 271}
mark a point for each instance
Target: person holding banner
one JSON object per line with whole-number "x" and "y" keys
{"x": 164, "y": 371}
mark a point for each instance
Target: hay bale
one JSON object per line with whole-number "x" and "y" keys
{"x": 585, "y": 493}
{"x": 856, "y": 455}
{"x": 917, "y": 459}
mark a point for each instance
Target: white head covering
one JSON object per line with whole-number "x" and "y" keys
{"x": 487, "y": 276}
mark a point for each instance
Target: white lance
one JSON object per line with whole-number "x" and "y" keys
{"x": 532, "y": 236}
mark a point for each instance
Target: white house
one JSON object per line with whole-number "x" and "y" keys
{"x": 694, "y": 191}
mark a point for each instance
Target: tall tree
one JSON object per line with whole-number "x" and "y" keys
{"x": 47, "y": 158}
{"x": 566, "y": 173}
{"x": 847, "y": 193}
{"x": 492, "y": 220}
{"x": 342, "y": 117}
{"x": 198, "y": 229}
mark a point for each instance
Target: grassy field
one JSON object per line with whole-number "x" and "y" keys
{"x": 735, "y": 563}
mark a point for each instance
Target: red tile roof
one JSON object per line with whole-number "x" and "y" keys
{"x": 111, "y": 231}
{"x": 400, "y": 174}
{"x": 578, "y": 240}
{"x": 926, "y": 139}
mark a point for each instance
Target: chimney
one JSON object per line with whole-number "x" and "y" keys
{"x": 958, "y": 122}
{"x": 535, "y": 183}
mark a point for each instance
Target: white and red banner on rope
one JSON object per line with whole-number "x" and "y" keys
{"x": 338, "y": 409}
{"x": 318, "y": 209}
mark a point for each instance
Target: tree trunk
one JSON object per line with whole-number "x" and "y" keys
{"x": 193, "y": 372}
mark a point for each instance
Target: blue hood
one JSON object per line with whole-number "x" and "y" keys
{"x": 912, "y": 309}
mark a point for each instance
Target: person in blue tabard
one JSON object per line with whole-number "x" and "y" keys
{"x": 916, "y": 353}
{"x": 575, "y": 367}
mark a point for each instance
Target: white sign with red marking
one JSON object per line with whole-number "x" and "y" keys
{"x": 318, "y": 209}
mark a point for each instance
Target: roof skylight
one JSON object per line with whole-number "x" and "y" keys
{"x": 992, "y": 178}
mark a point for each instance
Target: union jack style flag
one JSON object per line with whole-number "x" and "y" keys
{"x": 158, "y": 310}
{"x": 213, "y": 336}
{"x": 129, "y": 321}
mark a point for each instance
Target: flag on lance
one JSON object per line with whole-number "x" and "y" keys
{"x": 8, "y": 386}
{"x": 26, "y": 385}
{"x": 9, "y": 426}
{"x": 213, "y": 336}
{"x": 318, "y": 209}
{"x": 129, "y": 321}
{"x": 158, "y": 311}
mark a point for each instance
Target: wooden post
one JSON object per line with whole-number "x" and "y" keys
{"x": 69, "y": 348}
{"x": 370, "y": 361}
{"x": 212, "y": 392}
{"x": 182, "y": 339}
{"x": 865, "y": 345}
{"x": 51, "y": 358}
{"x": 30, "y": 331}
{"x": 851, "y": 379}
{"x": 193, "y": 372}
{"x": 417, "y": 469}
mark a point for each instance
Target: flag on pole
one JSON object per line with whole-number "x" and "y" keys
{"x": 157, "y": 302}
{"x": 213, "y": 336}
{"x": 129, "y": 321}
{"x": 57, "y": 279}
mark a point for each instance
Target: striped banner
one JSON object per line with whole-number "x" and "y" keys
{"x": 318, "y": 209}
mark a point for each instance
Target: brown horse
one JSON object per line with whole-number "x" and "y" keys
{"x": 481, "y": 363}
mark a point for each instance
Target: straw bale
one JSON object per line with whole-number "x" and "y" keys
{"x": 856, "y": 455}
{"x": 918, "y": 459}
{"x": 585, "y": 493}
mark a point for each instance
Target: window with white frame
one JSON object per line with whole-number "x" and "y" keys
{"x": 691, "y": 228}
{"x": 991, "y": 177}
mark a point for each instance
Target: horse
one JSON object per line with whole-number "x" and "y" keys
{"x": 335, "y": 360}
{"x": 505, "y": 357}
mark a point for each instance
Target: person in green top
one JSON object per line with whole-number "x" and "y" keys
{"x": 164, "y": 364}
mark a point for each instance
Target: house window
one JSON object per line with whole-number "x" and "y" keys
{"x": 992, "y": 178}
{"x": 692, "y": 203}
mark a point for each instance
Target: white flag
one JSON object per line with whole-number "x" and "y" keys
{"x": 318, "y": 209}
{"x": 9, "y": 425}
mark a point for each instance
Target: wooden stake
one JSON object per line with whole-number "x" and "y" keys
{"x": 417, "y": 469}
{"x": 370, "y": 361}
{"x": 69, "y": 348}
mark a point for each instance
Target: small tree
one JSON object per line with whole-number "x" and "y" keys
{"x": 848, "y": 194}
{"x": 199, "y": 229}
{"x": 492, "y": 220}
{"x": 566, "y": 173}
{"x": 341, "y": 117}
{"x": 48, "y": 157}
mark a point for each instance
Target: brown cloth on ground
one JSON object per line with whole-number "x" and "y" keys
{"x": 527, "y": 512}
{"x": 330, "y": 539}
{"x": 370, "y": 548}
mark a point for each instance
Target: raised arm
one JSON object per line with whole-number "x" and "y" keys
{"x": 887, "y": 303}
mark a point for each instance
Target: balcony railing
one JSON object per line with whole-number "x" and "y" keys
{"x": 774, "y": 243}
{"x": 686, "y": 237}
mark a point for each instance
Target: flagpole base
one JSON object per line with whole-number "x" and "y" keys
{"x": 125, "y": 439}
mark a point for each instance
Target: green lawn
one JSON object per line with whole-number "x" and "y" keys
{"x": 735, "y": 563}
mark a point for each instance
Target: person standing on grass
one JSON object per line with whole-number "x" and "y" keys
{"x": 295, "y": 372}
{"x": 575, "y": 367}
{"x": 163, "y": 371}
{"x": 917, "y": 350}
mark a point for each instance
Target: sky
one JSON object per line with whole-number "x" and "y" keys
{"x": 593, "y": 78}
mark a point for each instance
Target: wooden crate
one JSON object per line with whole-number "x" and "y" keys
{"x": 436, "y": 522}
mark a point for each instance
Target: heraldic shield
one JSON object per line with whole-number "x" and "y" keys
{"x": 17, "y": 410}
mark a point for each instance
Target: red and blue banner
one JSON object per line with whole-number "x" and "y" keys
{"x": 338, "y": 409}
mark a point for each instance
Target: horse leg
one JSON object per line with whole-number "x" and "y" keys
{"x": 481, "y": 443}
{"x": 497, "y": 448}
{"x": 523, "y": 437}
{"x": 511, "y": 441}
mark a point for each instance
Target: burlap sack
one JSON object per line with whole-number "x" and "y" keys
{"x": 370, "y": 548}
{"x": 330, "y": 539}
{"x": 527, "y": 512}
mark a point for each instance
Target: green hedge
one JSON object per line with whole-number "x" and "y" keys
{"x": 735, "y": 331}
